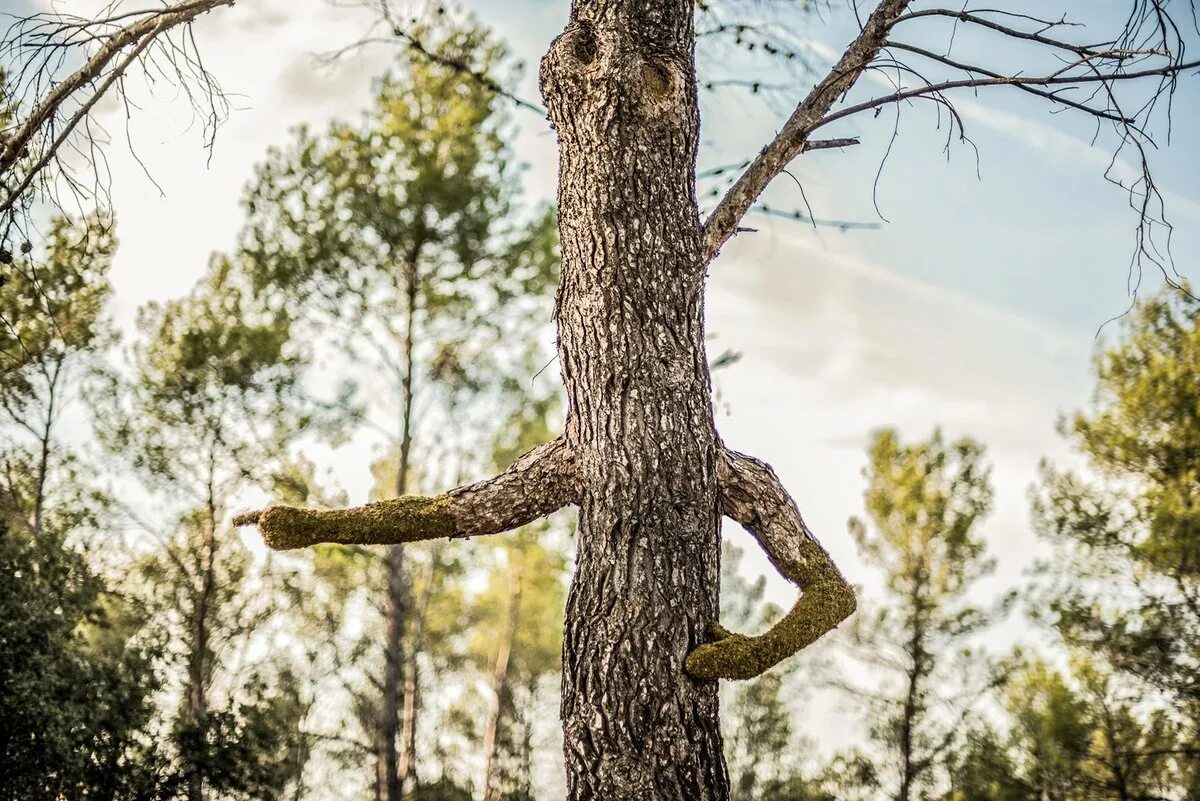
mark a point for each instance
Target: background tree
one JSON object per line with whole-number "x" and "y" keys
{"x": 1127, "y": 531}
{"x": 517, "y": 648}
{"x": 75, "y": 662}
{"x": 213, "y": 399}
{"x": 1069, "y": 739}
{"x": 924, "y": 503}
{"x": 516, "y": 641}
{"x": 52, "y": 330}
{"x": 423, "y": 275}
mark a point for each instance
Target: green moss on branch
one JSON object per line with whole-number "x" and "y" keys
{"x": 735, "y": 656}
{"x": 407, "y": 519}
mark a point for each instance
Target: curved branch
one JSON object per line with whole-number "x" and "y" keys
{"x": 752, "y": 495}
{"x": 537, "y": 484}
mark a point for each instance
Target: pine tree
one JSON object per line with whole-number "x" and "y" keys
{"x": 213, "y": 403}
{"x": 924, "y": 503}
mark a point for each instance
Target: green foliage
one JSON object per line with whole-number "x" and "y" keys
{"x": 1079, "y": 738}
{"x": 212, "y": 405}
{"x": 397, "y": 239}
{"x": 405, "y": 218}
{"x": 52, "y": 328}
{"x": 75, "y": 661}
{"x": 77, "y": 701}
{"x": 924, "y": 502}
{"x": 254, "y": 749}
{"x": 1129, "y": 533}
{"x": 216, "y": 396}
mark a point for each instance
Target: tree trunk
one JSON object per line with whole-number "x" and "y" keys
{"x": 620, "y": 87}
{"x": 46, "y": 439}
{"x": 390, "y": 773}
{"x": 639, "y": 454}
{"x": 500, "y": 685}
{"x": 197, "y": 700}
{"x": 412, "y": 684}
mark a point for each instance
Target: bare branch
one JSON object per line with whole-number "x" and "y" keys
{"x": 539, "y": 483}
{"x": 792, "y": 139}
{"x": 752, "y": 494}
{"x": 42, "y": 41}
{"x": 1084, "y": 77}
{"x": 1015, "y": 80}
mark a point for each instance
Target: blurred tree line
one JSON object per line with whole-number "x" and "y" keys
{"x": 148, "y": 651}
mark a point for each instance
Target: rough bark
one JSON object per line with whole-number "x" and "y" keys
{"x": 620, "y": 87}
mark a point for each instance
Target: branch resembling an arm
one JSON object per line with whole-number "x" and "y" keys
{"x": 537, "y": 484}
{"x": 792, "y": 139}
{"x": 752, "y": 494}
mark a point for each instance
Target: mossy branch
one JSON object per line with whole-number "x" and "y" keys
{"x": 752, "y": 494}
{"x": 535, "y": 485}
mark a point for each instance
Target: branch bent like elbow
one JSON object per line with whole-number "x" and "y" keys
{"x": 535, "y": 485}
{"x": 752, "y": 495}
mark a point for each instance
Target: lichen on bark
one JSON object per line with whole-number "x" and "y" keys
{"x": 752, "y": 494}
{"x": 408, "y": 519}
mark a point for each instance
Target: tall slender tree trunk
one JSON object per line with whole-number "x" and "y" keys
{"x": 913, "y": 704}
{"x": 621, "y": 90}
{"x": 390, "y": 773}
{"x": 45, "y": 445}
{"x": 197, "y": 700}
{"x": 412, "y": 686}
{"x": 500, "y": 686}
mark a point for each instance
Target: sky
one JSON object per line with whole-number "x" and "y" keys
{"x": 975, "y": 305}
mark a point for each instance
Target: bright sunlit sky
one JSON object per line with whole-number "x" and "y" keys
{"x": 975, "y": 306}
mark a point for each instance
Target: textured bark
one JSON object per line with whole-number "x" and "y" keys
{"x": 621, "y": 90}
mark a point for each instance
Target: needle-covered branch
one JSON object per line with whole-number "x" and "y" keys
{"x": 537, "y": 484}
{"x": 752, "y": 495}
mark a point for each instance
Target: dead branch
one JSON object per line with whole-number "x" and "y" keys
{"x": 1084, "y": 79}
{"x": 40, "y": 44}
